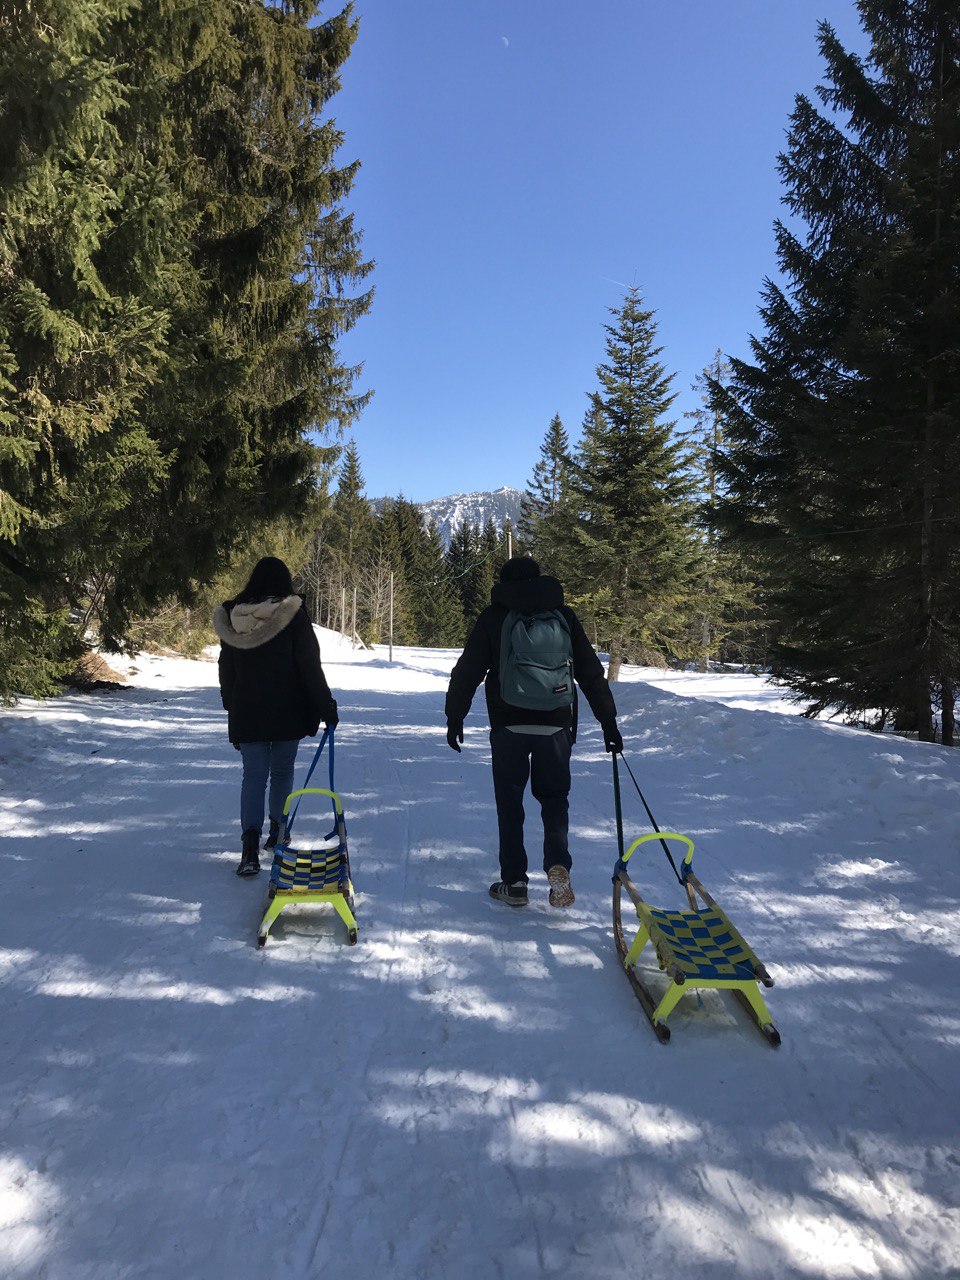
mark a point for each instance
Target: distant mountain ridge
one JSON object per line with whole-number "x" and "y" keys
{"x": 498, "y": 505}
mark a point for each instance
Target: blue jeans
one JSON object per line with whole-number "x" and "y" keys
{"x": 260, "y": 761}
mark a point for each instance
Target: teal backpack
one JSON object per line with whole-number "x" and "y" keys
{"x": 536, "y": 661}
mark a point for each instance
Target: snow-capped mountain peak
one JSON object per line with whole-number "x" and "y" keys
{"x": 451, "y": 512}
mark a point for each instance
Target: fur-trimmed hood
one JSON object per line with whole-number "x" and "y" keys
{"x": 247, "y": 626}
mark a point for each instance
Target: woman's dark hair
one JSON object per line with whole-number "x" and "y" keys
{"x": 270, "y": 577}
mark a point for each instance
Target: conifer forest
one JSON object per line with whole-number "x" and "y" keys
{"x": 179, "y": 263}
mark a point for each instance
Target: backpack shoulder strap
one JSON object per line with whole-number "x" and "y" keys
{"x": 560, "y": 615}
{"x": 506, "y": 633}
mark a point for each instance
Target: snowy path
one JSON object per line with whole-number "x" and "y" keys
{"x": 471, "y": 1092}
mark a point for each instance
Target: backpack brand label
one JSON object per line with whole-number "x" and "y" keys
{"x": 560, "y": 688}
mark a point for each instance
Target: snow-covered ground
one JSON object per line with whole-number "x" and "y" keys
{"x": 471, "y": 1093}
{"x": 732, "y": 688}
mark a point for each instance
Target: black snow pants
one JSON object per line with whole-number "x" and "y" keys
{"x": 545, "y": 760}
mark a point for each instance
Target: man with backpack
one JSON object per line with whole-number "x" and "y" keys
{"x": 530, "y": 648}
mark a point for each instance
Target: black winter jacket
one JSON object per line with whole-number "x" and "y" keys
{"x": 481, "y": 658}
{"x": 271, "y": 681}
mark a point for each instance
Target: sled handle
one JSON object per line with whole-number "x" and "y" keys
{"x": 662, "y": 835}
{"x": 314, "y": 791}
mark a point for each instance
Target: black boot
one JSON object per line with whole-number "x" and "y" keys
{"x": 250, "y": 855}
{"x": 271, "y": 841}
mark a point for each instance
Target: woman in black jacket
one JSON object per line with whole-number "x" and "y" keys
{"x": 274, "y": 692}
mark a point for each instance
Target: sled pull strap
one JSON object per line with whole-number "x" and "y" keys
{"x": 327, "y": 733}
{"x": 681, "y": 876}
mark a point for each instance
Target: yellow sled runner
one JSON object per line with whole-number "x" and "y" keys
{"x": 699, "y": 948}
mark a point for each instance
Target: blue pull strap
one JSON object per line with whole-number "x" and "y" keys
{"x": 327, "y": 733}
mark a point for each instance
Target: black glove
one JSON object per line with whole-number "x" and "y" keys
{"x": 331, "y": 719}
{"x": 612, "y": 741}
{"x": 454, "y": 733}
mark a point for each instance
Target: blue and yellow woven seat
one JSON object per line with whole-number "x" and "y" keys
{"x": 702, "y": 944}
{"x": 310, "y": 870}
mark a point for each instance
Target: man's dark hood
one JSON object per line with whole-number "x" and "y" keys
{"x": 529, "y": 595}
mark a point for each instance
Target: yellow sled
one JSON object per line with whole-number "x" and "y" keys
{"x": 320, "y": 874}
{"x": 699, "y": 948}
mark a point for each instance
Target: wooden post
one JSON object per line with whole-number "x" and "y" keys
{"x": 343, "y": 611}
{"x": 391, "y": 615}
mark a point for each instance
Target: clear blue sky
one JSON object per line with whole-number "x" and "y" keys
{"x": 523, "y": 161}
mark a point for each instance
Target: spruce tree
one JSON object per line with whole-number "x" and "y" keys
{"x": 410, "y": 525}
{"x": 546, "y": 511}
{"x": 82, "y": 330}
{"x": 387, "y": 539}
{"x": 727, "y": 618}
{"x": 229, "y": 103}
{"x": 461, "y": 554}
{"x": 702, "y": 438}
{"x": 635, "y": 557}
{"x": 353, "y": 522}
{"x": 175, "y": 271}
{"x": 313, "y": 571}
{"x": 439, "y": 613}
{"x": 484, "y": 572}
{"x": 843, "y": 458}
{"x": 352, "y": 529}
{"x": 471, "y": 572}
{"x": 433, "y": 600}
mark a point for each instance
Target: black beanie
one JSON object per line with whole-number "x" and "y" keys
{"x": 519, "y": 568}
